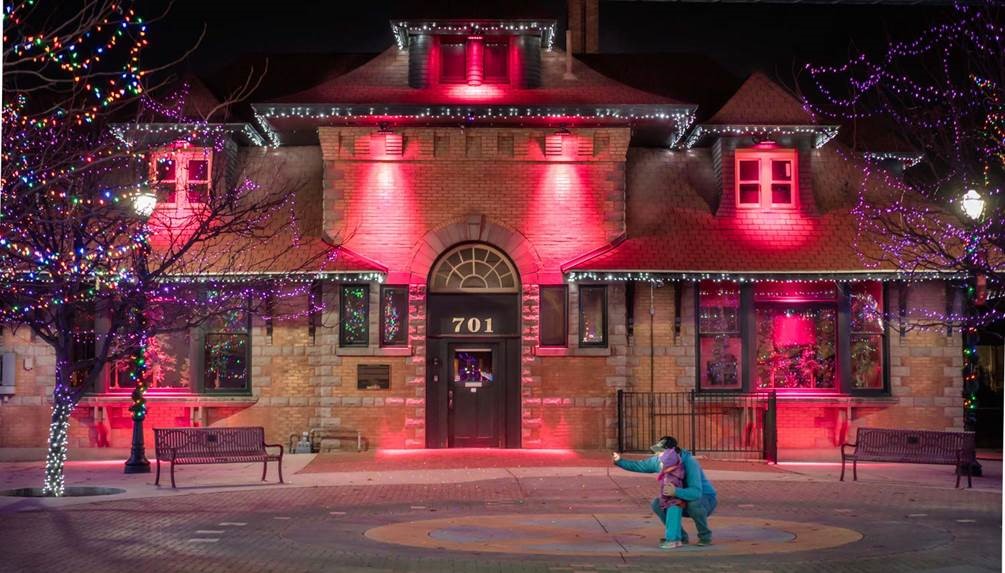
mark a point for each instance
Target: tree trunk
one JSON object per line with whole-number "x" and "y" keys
{"x": 59, "y": 426}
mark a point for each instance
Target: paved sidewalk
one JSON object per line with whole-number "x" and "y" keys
{"x": 480, "y": 511}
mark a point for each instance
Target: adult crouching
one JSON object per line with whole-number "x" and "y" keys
{"x": 698, "y": 491}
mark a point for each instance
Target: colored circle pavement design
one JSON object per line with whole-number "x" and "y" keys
{"x": 607, "y": 534}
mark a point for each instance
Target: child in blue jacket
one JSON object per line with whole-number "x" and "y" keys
{"x": 698, "y": 492}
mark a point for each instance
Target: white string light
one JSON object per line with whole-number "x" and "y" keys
{"x": 681, "y": 116}
{"x": 402, "y": 28}
{"x": 821, "y": 133}
{"x": 742, "y": 277}
{"x": 127, "y": 133}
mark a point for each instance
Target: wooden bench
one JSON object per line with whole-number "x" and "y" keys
{"x": 214, "y": 446}
{"x": 912, "y": 447}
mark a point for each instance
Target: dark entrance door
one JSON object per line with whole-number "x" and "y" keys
{"x": 475, "y": 395}
{"x": 473, "y": 367}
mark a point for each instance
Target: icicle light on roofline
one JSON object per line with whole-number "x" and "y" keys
{"x": 681, "y": 116}
{"x": 907, "y": 159}
{"x": 402, "y": 28}
{"x": 243, "y": 278}
{"x": 189, "y": 130}
{"x": 741, "y": 277}
{"x": 821, "y": 133}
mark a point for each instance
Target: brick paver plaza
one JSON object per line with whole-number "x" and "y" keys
{"x": 548, "y": 519}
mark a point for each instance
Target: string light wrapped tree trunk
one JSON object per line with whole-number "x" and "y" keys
{"x": 70, "y": 243}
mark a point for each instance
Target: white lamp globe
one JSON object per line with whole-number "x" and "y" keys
{"x": 973, "y": 204}
{"x": 144, "y": 202}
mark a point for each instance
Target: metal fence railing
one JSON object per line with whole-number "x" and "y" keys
{"x": 740, "y": 424}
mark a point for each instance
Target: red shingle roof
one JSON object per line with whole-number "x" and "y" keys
{"x": 276, "y": 256}
{"x": 756, "y": 242}
{"x": 761, "y": 101}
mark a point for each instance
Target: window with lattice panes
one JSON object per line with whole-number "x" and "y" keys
{"x": 182, "y": 175}
{"x": 766, "y": 178}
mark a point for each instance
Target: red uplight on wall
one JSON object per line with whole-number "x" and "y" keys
{"x": 474, "y": 61}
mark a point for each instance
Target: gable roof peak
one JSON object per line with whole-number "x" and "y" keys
{"x": 762, "y": 101}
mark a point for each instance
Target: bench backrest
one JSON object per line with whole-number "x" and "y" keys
{"x": 915, "y": 445}
{"x": 200, "y": 442}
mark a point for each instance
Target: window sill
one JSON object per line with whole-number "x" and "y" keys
{"x": 836, "y": 400}
{"x": 553, "y": 351}
{"x": 374, "y": 351}
{"x": 188, "y": 399}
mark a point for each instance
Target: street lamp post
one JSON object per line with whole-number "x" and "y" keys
{"x": 973, "y": 207}
{"x": 144, "y": 203}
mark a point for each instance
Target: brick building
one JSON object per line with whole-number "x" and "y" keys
{"x": 519, "y": 238}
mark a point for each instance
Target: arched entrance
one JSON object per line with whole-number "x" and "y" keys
{"x": 473, "y": 349}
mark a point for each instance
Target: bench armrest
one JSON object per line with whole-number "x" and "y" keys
{"x": 280, "y": 446}
{"x": 847, "y": 445}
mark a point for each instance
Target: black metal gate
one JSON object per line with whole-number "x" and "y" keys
{"x": 740, "y": 424}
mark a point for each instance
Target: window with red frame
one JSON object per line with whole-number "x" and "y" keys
{"x": 182, "y": 175}
{"x": 766, "y": 178}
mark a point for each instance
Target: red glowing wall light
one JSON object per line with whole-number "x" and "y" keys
{"x": 484, "y": 92}
{"x": 474, "y": 53}
{"x": 482, "y": 453}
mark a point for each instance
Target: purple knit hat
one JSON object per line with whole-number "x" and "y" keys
{"x": 669, "y": 458}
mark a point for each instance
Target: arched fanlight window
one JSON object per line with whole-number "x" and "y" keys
{"x": 474, "y": 268}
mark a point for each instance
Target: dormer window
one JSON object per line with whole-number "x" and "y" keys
{"x": 182, "y": 175}
{"x": 766, "y": 178}
{"x": 474, "y": 60}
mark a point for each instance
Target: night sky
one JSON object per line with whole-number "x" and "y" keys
{"x": 741, "y": 37}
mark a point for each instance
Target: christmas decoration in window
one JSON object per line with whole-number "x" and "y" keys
{"x": 593, "y": 315}
{"x": 473, "y": 367}
{"x": 720, "y": 345}
{"x": 227, "y": 362}
{"x": 867, "y": 336}
{"x": 393, "y": 315}
{"x": 766, "y": 177}
{"x": 796, "y": 345}
{"x": 227, "y": 348}
{"x": 168, "y": 365}
{"x": 354, "y": 320}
